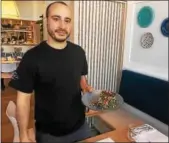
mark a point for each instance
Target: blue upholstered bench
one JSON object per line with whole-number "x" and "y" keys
{"x": 147, "y": 94}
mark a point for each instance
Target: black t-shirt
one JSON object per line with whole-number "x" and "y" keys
{"x": 54, "y": 76}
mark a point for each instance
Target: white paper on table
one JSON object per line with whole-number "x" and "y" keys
{"x": 157, "y": 137}
{"x": 142, "y": 129}
{"x": 141, "y": 138}
{"x": 152, "y": 135}
{"x": 107, "y": 140}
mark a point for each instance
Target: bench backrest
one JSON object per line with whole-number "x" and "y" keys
{"x": 148, "y": 94}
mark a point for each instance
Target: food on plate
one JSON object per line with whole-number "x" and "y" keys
{"x": 106, "y": 100}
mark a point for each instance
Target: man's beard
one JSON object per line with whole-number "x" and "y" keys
{"x": 52, "y": 35}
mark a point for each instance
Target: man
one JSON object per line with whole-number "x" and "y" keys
{"x": 55, "y": 69}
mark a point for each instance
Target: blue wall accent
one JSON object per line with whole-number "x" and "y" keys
{"x": 148, "y": 94}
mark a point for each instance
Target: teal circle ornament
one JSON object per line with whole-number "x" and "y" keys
{"x": 145, "y": 16}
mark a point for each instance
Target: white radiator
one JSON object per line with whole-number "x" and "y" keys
{"x": 99, "y": 29}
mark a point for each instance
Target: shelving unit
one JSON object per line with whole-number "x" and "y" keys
{"x": 17, "y": 36}
{"x": 10, "y": 30}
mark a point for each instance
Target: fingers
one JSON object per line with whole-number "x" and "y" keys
{"x": 90, "y": 89}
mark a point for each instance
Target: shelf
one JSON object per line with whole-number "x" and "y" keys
{"x": 18, "y": 33}
{"x": 14, "y": 30}
{"x": 9, "y": 62}
{"x": 18, "y": 45}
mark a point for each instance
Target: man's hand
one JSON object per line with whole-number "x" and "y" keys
{"x": 26, "y": 140}
{"x": 29, "y": 137}
{"x": 88, "y": 89}
{"x": 84, "y": 86}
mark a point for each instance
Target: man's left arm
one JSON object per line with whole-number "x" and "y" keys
{"x": 84, "y": 85}
{"x": 83, "y": 82}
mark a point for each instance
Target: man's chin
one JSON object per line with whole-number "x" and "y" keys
{"x": 61, "y": 39}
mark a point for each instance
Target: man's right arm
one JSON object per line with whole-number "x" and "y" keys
{"x": 22, "y": 114}
{"x": 23, "y": 81}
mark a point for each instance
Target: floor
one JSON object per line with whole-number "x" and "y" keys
{"x": 6, "y": 127}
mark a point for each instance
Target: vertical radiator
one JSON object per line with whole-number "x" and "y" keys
{"x": 99, "y": 29}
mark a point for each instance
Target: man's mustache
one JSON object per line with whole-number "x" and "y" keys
{"x": 61, "y": 30}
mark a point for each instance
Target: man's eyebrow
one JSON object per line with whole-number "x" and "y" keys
{"x": 67, "y": 18}
{"x": 53, "y": 16}
{"x": 58, "y": 16}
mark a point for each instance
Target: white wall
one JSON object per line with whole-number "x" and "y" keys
{"x": 153, "y": 61}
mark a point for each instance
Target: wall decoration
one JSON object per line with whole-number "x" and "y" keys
{"x": 147, "y": 40}
{"x": 165, "y": 27}
{"x": 154, "y": 60}
{"x": 145, "y": 17}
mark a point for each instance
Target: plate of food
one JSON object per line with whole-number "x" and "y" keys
{"x": 102, "y": 100}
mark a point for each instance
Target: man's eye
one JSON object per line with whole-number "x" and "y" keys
{"x": 67, "y": 21}
{"x": 56, "y": 19}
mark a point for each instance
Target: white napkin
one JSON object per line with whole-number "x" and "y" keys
{"x": 106, "y": 140}
{"x": 143, "y": 134}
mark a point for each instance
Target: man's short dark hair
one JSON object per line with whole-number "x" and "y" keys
{"x": 48, "y": 7}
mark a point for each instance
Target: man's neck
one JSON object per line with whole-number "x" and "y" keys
{"x": 57, "y": 45}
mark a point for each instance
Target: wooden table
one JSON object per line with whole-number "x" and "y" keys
{"x": 120, "y": 120}
{"x": 92, "y": 113}
{"x": 6, "y": 75}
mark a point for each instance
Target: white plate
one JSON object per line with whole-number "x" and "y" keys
{"x": 90, "y": 96}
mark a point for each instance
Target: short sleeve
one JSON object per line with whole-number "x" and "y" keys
{"x": 85, "y": 65}
{"x": 24, "y": 76}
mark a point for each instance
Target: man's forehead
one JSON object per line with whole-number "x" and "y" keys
{"x": 61, "y": 10}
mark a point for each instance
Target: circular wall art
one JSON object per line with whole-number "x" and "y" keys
{"x": 145, "y": 16}
{"x": 165, "y": 27}
{"x": 147, "y": 40}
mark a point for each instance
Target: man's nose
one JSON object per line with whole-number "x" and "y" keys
{"x": 62, "y": 24}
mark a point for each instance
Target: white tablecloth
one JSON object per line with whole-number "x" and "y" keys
{"x": 8, "y": 67}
